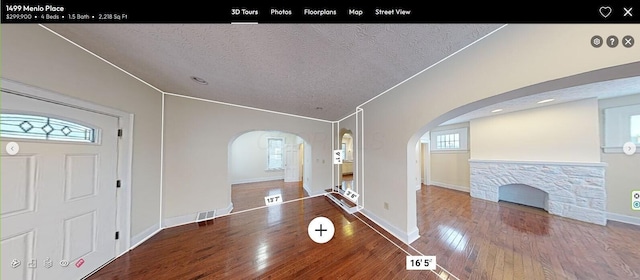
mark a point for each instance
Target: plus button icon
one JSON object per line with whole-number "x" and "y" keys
{"x": 321, "y": 230}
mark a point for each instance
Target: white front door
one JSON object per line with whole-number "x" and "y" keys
{"x": 291, "y": 164}
{"x": 59, "y": 190}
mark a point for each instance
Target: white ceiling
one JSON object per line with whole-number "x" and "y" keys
{"x": 290, "y": 68}
{"x": 601, "y": 90}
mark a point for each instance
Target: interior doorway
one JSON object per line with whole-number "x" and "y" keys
{"x": 301, "y": 160}
{"x": 267, "y": 163}
{"x": 347, "y": 168}
{"x": 425, "y": 160}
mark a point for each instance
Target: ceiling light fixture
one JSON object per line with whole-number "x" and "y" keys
{"x": 496, "y": 110}
{"x": 546, "y": 100}
{"x": 199, "y": 80}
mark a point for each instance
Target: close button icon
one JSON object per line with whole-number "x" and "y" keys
{"x": 628, "y": 41}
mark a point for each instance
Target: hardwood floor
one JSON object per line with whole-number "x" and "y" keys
{"x": 266, "y": 243}
{"x": 471, "y": 238}
{"x": 478, "y": 239}
{"x": 251, "y": 195}
{"x": 347, "y": 177}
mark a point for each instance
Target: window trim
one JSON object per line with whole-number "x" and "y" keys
{"x": 617, "y": 127}
{"x": 95, "y": 137}
{"x": 269, "y": 153}
{"x": 463, "y": 139}
{"x": 631, "y": 121}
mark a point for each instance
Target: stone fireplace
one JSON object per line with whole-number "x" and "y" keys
{"x": 525, "y": 195}
{"x": 574, "y": 190}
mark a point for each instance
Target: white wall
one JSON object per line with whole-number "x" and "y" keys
{"x": 35, "y": 56}
{"x": 248, "y": 162}
{"x": 566, "y": 132}
{"x": 622, "y": 174}
{"x": 450, "y": 169}
{"x": 518, "y": 60}
{"x": 425, "y": 168}
{"x": 197, "y": 141}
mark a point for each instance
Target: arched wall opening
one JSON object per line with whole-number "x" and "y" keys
{"x": 197, "y": 135}
{"x": 349, "y": 175}
{"x": 600, "y": 75}
{"x": 510, "y": 60}
{"x": 346, "y": 171}
{"x": 265, "y": 163}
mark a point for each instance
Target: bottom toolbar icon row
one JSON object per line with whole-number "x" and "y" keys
{"x": 48, "y": 263}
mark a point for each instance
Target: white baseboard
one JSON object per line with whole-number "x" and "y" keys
{"x": 178, "y": 221}
{"x": 320, "y": 192}
{"x": 145, "y": 235}
{"x": 257, "y": 180}
{"x": 623, "y": 218}
{"x": 305, "y": 186}
{"x": 418, "y": 187}
{"x": 413, "y": 235}
{"x": 405, "y": 237}
{"x": 191, "y": 218}
{"x": 450, "y": 186}
{"x": 224, "y": 211}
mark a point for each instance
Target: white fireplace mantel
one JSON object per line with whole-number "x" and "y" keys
{"x": 575, "y": 189}
{"x": 566, "y": 163}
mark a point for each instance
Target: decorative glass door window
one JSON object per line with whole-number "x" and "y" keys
{"x": 44, "y": 128}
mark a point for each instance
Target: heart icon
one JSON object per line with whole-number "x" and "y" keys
{"x": 605, "y": 11}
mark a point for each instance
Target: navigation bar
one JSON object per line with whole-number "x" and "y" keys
{"x": 189, "y": 11}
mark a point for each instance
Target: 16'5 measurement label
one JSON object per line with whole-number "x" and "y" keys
{"x": 421, "y": 262}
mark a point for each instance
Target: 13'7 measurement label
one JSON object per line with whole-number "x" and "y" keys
{"x": 273, "y": 199}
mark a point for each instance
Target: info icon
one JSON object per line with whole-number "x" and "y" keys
{"x": 635, "y": 200}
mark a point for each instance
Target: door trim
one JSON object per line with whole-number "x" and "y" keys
{"x": 125, "y": 149}
{"x": 291, "y": 148}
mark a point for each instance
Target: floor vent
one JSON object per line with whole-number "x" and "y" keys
{"x": 207, "y": 215}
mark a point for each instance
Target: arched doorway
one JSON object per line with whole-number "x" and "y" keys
{"x": 575, "y": 83}
{"x": 347, "y": 167}
{"x": 267, "y": 163}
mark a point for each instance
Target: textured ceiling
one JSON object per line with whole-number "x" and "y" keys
{"x": 291, "y": 68}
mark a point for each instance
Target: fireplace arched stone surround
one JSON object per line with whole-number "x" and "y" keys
{"x": 576, "y": 190}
